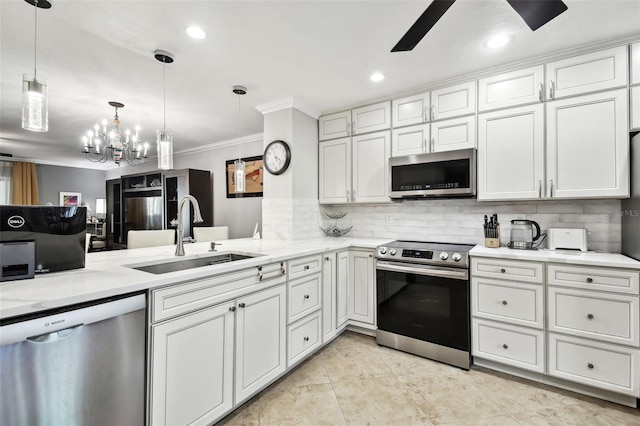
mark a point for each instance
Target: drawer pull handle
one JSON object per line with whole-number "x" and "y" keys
{"x": 242, "y": 305}
{"x": 590, "y": 366}
{"x": 504, "y": 302}
{"x": 503, "y": 270}
{"x": 589, "y": 280}
{"x": 590, "y": 316}
{"x": 259, "y": 273}
{"x": 306, "y": 339}
{"x": 282, "y": 269}
{"x": 306, "y": 296}
{"x": 232, "y": 308}
{"x": 505, "y": 346}
{"x": 306, "y": 267}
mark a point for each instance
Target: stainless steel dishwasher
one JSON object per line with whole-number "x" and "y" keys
{"x": 80, "y": 365}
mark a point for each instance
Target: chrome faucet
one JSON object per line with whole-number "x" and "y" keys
{"x": 197, "y": 218}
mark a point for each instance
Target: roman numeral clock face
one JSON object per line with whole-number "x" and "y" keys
{"x": 277, "y": 157}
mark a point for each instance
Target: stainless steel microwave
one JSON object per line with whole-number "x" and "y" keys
{"x": 446, "y": 174}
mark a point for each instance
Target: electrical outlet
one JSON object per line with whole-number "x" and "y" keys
{"x": 388, "y": 218}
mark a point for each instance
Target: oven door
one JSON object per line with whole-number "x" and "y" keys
{"x": 424, "y": 302}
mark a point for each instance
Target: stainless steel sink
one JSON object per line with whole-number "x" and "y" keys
{"x": 180, "y": 265}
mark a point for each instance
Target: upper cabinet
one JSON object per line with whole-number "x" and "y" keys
{"x": 370, "y": 118}
{"x": 411, "y": 110}
{"x": 634, "y": 102}
{"x": 456, "y": 133}
{"x": 335, "y": 171}
{"x": 635, "y": 63}
{"x": 601, "y": 70}
{"x": 520, "y": 87}
{"x": 453, "y": 101}
{"x": 410, "y": 140}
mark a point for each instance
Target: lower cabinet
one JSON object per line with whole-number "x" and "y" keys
{"x": 361, "y": 287}
{"x": 304, "y": 337}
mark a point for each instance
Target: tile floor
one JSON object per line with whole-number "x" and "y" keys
{"x": 353, "y": 381}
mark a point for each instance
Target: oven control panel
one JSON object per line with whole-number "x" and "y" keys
{"x": 424, "y": 255}
{"x": 417, "y": 254}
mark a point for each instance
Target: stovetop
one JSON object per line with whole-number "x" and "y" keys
{"x": 425, "y": 252}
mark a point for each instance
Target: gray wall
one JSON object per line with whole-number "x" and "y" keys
{"x": 55, "y": 179}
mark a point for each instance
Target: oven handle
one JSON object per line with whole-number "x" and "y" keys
{"x": 420, "y": 270}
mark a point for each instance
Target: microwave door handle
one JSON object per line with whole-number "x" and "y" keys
{"x": 458, "y": 275}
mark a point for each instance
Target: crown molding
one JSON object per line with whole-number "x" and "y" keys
{"x": 288, "y": 103}
{"x": 258, "y": 137}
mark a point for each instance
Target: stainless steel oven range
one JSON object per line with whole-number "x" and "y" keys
{"x": 423, "y": 294}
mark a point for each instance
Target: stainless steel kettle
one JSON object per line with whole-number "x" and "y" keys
{"x": 522, "y": 236}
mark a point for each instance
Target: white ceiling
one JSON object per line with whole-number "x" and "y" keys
{"x": 320, "y": 52}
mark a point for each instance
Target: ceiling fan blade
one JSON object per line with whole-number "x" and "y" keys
{"x": 536, "y": 13}
{"x": 428, "y": 19}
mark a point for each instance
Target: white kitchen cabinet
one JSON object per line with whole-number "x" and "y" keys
{"x": 370, "y": 167}
{"x": 304, "y": 337}
{"x": 335, "y": 171}
{"x": 511, "y": 153}
{"x": 329, "y": 295}
{"x": 601, "y": 70}
{"x": 508, "y": 301}
{"x": 342, "y": 285}
{"x": 588, "y": 146}
{"x": 361, "y": 288}
{"x": 511, "y": 89}
{"x": 334, "y": 126}
{"x": 453, "y": 101}
{"x": 456, "y": 133}
{"x": 305, "y": 296}
{"x": 634, "y": 107}
{"x": 261, "y": 335}
{"x": 410, "y": 140}
{"x": 192, "y": 368}
{"x": 635, "y": 63}
{"x": 371, "y": 118}
{"x": 411, "y": 110}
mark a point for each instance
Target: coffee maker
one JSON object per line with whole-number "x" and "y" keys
{"x": 522, "y": 235}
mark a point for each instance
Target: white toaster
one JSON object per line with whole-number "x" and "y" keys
{"x": 567, "y": 239}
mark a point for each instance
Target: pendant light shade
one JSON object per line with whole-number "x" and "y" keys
{"x": 165, "y": 139}
{"x": 238, "y": 165}
{"x": 35, "y": 110}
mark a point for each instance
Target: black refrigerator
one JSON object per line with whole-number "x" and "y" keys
{"x": 631, "y": 206}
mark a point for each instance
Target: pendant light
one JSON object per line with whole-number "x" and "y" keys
{"x": 165, "y": 139}
{"x": 35, "y": 113}
{"x": 239, "y": 176}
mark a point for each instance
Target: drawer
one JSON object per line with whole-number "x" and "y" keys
{"x": 189, "y": 296}
{"x": 597, "y": 364}
{"x": 618, "y": 280}
{"x": 304, "y": 266}
{"x": 304, "y": 336}
{"x": 509, "y": 344}
{"x": 516, "y": 303}
{"x": 531, "y": 272}
{"x": 304, "y": 296}
{"x": 603, "y": 316}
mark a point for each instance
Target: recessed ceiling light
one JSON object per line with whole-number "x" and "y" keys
{"x": 377, "y": 76}
{"x": 196, "y": 32}
{"x": 497, "y": 41}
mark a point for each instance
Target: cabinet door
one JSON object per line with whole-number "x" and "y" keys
{"x": 329, "y": 296}
{"x": 635, "y": 63}
{"x": 457, "y": 133}
{"x": 411, "y": 110}
{"x": 453, "y": 101}
{"x": 511, "y": 154}
{"x": 371, "y": 167}
{"x": 605, "y": 69}
{"x": 334, "y": 126}
{"x": 260, "y": 340}
{"x": 371, "y": 118}
{"x": 361, "y": 287}
{"x": 634, "y": 106}
{"x": 335, "y": 171}
{"x": 342, "y": 284}
{"x": 510, "y": 89}
{"x": 588, "y": 146}
{"x": 192, "y": 368}
{"x": 410, "y": 140}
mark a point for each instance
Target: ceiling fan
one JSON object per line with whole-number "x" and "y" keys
{"x": 535, "y": 14}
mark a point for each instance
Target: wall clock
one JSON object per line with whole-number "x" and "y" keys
{"x": 277, "y": 157}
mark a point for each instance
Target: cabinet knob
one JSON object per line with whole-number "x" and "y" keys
{"x": 232, "y": 308}
{"x": 326, "y": 258}
{"x": 306, "y": 296}
{"x": 370, "y": 255}
{"x": 505, "y": 346}
{"x": 242, "y": 305}
{"x": 504, "y": 302}
{"x": 590, "y": 366}
{"x": 590, "y": 316}
{"x": 589, "y": 280}
{"x": 306, "y": 267}
{"x": 306, "y": 339}
{"x": 503, "y": 270}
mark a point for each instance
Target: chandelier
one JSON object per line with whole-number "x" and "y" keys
{"x": 100, "y": 146}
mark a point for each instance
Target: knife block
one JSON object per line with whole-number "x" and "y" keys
{"x": 493, "y": 242}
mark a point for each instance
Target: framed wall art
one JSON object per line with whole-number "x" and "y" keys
{"x": 70, "y": 199}
{"x": 253, "y": 173}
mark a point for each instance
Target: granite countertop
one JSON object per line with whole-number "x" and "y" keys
{"x": 109, "y": 273}
{"x": 589, "y": 258}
